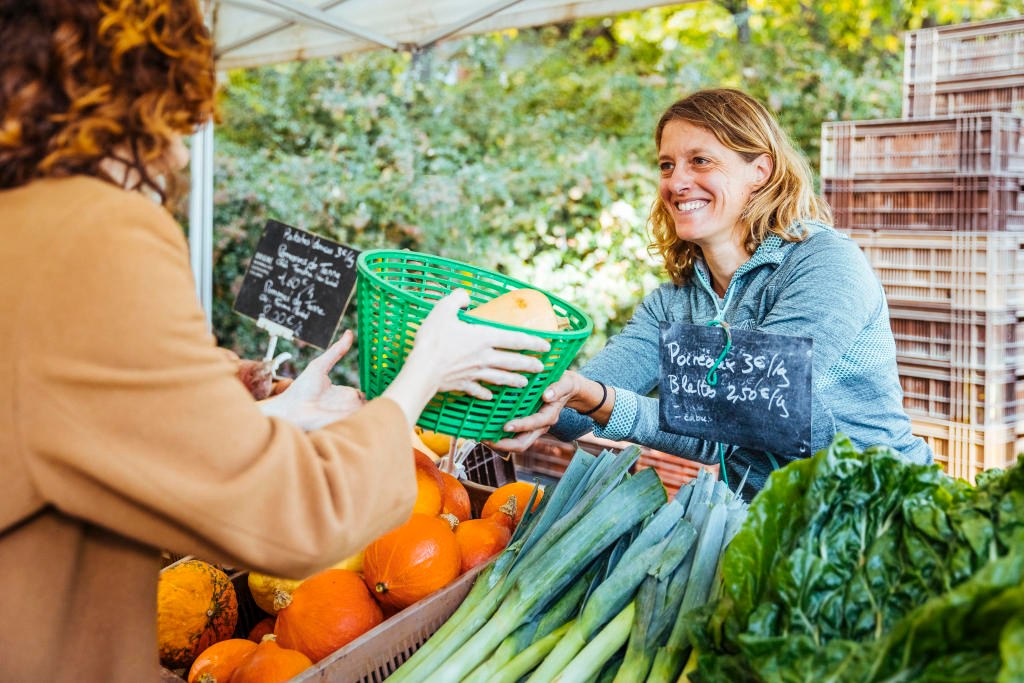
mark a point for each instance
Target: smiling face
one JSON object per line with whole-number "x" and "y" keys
{"x": 705, "y": 185}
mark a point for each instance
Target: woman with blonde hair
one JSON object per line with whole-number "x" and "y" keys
{"x": 125, "y": 429}
{"x": 745, "y": 241}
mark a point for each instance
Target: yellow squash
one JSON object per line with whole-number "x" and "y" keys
{"x": 527, "y": 308}
{"x": 271, "y": 593}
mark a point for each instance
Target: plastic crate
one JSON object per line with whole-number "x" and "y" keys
{"x": 963, "y": 51}
{"x": 976, "y": 271}
{"x": 925, "y": 100}
{"x": 547, "y": 456}
{"x": 972, "y": 144}
{"x": 963, "y": 204}
{"x": 971, "y": 397}
{"x": 972, "y": 340}
{"x": 964, "y": 450}
{"x": 674, "y": 470}
{"x": 550, "y": 457}
{"x": 488, "y": 467}
{"x": 396, "y": 291}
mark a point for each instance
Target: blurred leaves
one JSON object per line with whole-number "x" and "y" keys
{"x": 531, "y": 151}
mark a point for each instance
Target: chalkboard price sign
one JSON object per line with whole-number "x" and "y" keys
{"x": 760, "y": 396}
{"x": 299, "y": 282}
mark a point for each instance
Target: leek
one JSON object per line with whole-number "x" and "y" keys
{"x": 547, "y": 574}
{"x": 525, "y": 661}
{"x": 598, "y": 651}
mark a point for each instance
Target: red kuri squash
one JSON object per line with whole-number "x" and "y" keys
{"x": 455, "y": 498}
{"x": 262, "y": 628}
{"x": 216, "y": 663}
{"x": 520, "y": 490}
{"x": 480, "y": 539}
{"x": 327, "y": 611}
{"x": 270, "y": 663}
{"x": 412, "y": 561}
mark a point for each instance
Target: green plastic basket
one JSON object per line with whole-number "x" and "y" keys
{"x": 396, "y": 291}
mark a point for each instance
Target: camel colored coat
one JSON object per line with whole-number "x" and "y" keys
{"x": 125, "y": 431}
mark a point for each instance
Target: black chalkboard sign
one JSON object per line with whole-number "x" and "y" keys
{"x": 762, "y": 397}
{"x": 298, "y": 281}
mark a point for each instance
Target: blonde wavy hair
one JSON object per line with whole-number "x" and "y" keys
{"x": 745, "y": 126}
{"x": 84, "y": 81}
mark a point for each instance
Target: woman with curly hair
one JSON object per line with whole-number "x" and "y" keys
{"x": 126, "y": 429}
{"x": 745, "y": 241}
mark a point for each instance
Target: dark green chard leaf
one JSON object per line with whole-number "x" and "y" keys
{"x": 966, "y": 625}
{"x": 848, "y": 555}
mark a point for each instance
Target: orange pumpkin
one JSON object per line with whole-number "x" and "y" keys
{"x": 270, "y": 663}
{"x": 216, "y": 663}
{"x": 429, "y": 486}
{"x": 479, "y": 540}
{"x": 520, "y": 490}
{"x": 506, "y": 514}
{"x": 262, "y": 628}
{"x": 412, "y": 561}
{"x": 196, "y": 606}
{"x": 327, "y": 611}
{"x": 454, "y": 498}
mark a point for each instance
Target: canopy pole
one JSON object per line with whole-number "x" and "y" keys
{"x": 200, "y": 220}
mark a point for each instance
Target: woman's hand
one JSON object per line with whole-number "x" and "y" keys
{"x": 452, "y": 355}
{"x": 528, "y": 429}
{"x": 312, "y": 401}
{"x": 468, "y": 354}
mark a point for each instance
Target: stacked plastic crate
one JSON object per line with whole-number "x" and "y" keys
{"x": 936, "y": 201}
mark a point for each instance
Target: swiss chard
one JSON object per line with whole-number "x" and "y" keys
{"x": 840, "y": 560}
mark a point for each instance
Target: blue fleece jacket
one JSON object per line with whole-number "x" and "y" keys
{"x": 821, "y": 287}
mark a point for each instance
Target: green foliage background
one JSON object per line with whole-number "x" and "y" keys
{"x": 531, "y": 151}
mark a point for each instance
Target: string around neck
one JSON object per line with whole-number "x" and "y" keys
{"x": 712, "y": 375}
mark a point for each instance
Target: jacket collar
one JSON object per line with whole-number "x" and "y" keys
{"x": 771, "y": 252}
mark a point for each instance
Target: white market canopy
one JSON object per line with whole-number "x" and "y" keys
{"x": 250, "y": 33}
{"x": 257, "y": 32}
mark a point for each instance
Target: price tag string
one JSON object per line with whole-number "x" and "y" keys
{"x": 712, "y": 375}
{"x": 712, "y": 379}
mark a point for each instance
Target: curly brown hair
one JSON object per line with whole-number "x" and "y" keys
{"x": 745, "y": 126}
{"x": 85, "y": 81}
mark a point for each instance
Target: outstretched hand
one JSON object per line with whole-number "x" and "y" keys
{"x": 450, "y": 354}
{"x": 467, "y": 355}
{"x": 528, "y": 429}
{"x": 312, "y": 401}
